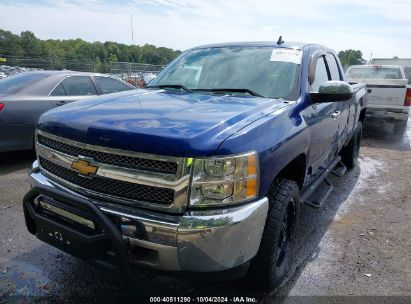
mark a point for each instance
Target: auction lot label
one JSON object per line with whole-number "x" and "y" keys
{"x": 286, "y": 55}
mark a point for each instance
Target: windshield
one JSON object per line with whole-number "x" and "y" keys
{"x": 372, "y": 72}
{"x": 243, "y": 69}
{"x": 14, "y": 84}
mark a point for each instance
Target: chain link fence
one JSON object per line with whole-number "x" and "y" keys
{"x": 129, "y": 70}
{"x": 123, "y": 70}
{"x": 81, "y": 65}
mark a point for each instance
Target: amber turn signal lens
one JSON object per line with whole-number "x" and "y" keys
{"x": 252, "y": 165}
{"x": 251, "y": 188}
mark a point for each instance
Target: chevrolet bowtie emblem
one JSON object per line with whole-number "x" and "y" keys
{"x": 83, "y": 167}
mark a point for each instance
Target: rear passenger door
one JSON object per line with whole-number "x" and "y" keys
{"x": 342, "y": 108}
{"x": 73, "y": 88}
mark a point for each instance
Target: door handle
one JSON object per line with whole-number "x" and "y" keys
{"x": 336, "y": 114}
{"x": 369, "y": 91}
{"x": 61, "y": 102}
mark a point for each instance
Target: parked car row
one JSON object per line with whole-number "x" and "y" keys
{"x": 25, "y": 96}
{"x": 7, "y": 70}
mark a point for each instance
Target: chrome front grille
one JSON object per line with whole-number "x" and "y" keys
{"x": 113, "y": 159}
{"x": 110, "y": 186}
{"x": 122, "y": 177}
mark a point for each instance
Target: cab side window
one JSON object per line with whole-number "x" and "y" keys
{"x": 321, "y": 74}
{"x": 333, "y": 66}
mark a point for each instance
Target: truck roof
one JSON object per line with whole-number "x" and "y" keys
{"x": 298, "y": 45}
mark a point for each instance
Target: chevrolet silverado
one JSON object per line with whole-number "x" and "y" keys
{"x": 203, "y": 171}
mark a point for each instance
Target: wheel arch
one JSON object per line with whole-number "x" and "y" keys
{"x": 295, "y": 170}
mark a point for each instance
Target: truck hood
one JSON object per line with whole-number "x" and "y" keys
{"x": 157, "y": 122}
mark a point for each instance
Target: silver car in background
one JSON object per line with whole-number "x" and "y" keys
{"x": 25, "y": 96}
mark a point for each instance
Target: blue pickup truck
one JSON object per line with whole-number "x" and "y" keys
{"x": 203, "y": 171}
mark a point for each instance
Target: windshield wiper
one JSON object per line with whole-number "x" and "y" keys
{"x": 173, "y": 86}
{"x": 251, "y": 92}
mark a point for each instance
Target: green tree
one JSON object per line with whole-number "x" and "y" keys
{"x": 351, "y": 57}
{"x": 30, "y": 44}
{"x": 10, "y": 44}
{"x": 135, "y": 53}
{"x": 77, "y": 54}
{"x": 112, "y": 58}
{"x": 99, "y": 66}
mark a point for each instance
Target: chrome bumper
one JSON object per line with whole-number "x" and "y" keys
{"x": 198, "y": 241}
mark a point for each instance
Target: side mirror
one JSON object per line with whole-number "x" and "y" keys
{"x": 331, "y": 91}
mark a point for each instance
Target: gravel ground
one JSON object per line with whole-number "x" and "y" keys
{"x": 354, "y": 249}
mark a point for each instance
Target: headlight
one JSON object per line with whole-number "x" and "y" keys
{"x": 224, "y": 180}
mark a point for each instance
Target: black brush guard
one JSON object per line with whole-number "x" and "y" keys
{"x": 73, "y": 241}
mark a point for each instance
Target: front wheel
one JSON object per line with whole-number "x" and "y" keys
{"x": 274, "y": 260}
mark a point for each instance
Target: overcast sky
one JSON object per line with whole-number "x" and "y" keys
{"x": 380, "y": 27}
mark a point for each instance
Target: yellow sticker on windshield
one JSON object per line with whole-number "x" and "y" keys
{"x": 286, "y": 55}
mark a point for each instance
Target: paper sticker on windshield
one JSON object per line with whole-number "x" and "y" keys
{"x": 287, "y": 55}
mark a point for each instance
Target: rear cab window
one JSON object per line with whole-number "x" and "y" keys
{"x": 16, "y": 83}
{"x": 374, "y": 72}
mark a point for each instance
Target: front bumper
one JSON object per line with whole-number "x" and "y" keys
{"x": 197, "y": 241}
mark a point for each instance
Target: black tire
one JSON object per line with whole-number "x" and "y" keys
{"x": 400, "y": 127}
{"x": 274, "y": 260}
{"x": 349, "y": 153}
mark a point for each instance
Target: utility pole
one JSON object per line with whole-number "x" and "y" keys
{"x": 132, "y": 31}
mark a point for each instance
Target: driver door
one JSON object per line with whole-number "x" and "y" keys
{"x": 323, "y": 127}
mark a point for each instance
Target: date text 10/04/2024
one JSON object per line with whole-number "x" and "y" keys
{"x": 235, "y": 299}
